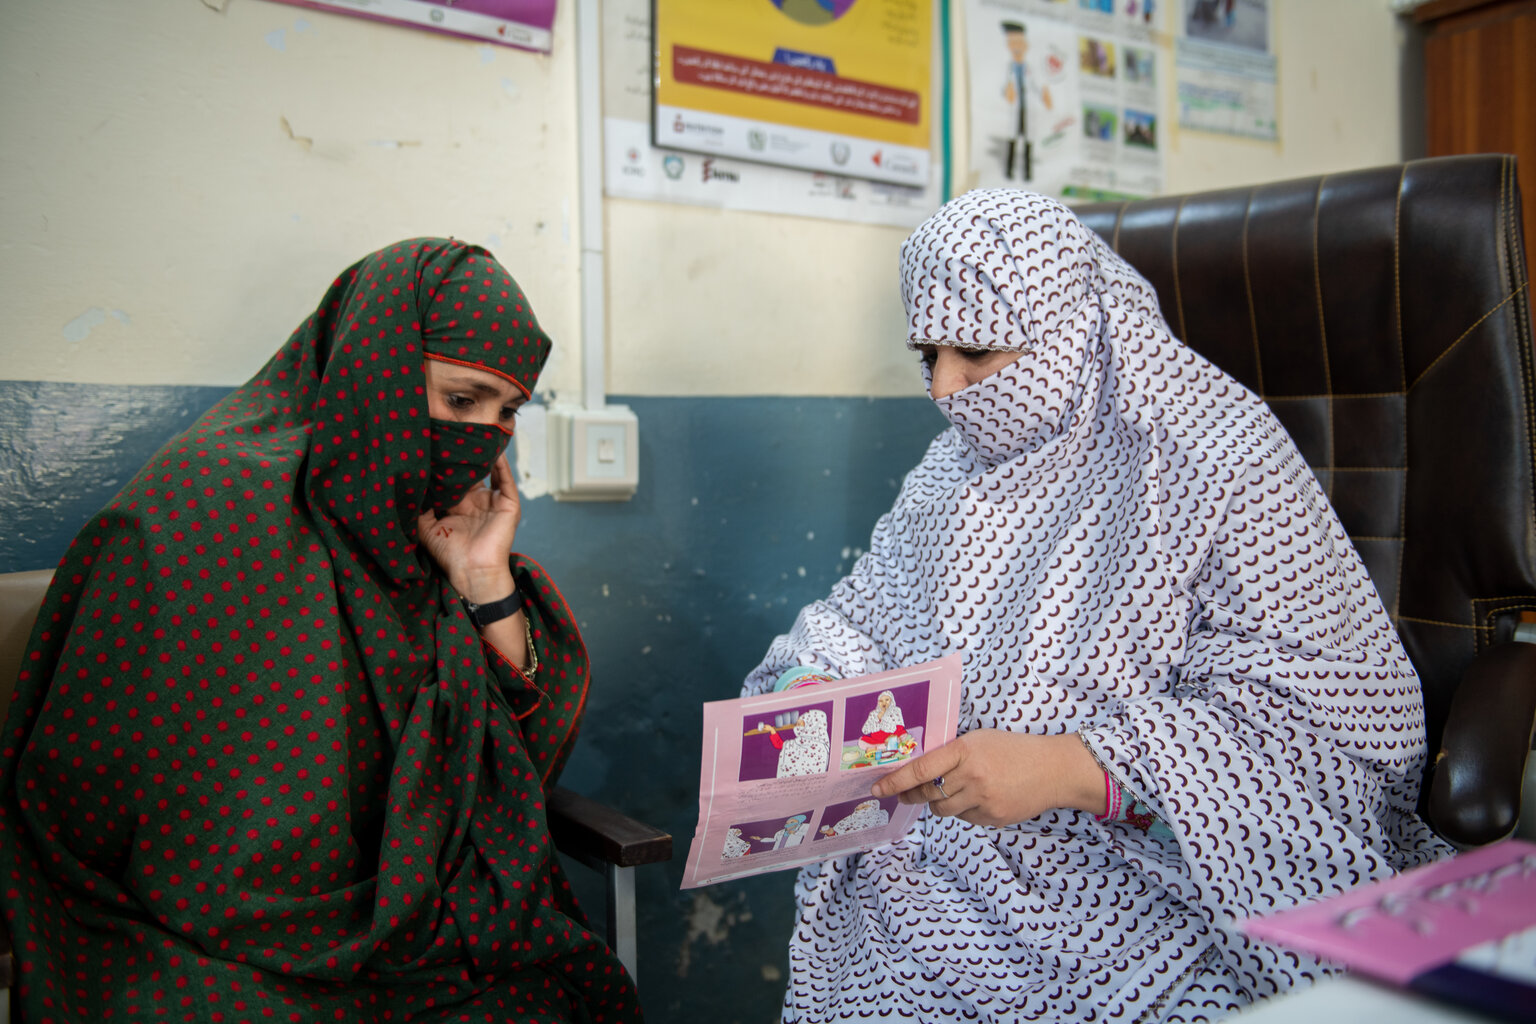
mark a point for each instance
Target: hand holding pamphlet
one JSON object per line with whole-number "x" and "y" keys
{"x": 786, "y": 776}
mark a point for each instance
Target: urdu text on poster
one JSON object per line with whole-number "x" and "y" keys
{"x": 840, "y": 86}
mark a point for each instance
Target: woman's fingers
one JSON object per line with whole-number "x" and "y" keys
{"x": 913, "y": 780}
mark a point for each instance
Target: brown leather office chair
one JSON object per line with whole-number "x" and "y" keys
{"x": 583, "y": 829}
{"x": 1384, "y": 315}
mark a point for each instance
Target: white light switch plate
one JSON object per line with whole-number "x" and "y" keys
{"x": 594, "y": 454}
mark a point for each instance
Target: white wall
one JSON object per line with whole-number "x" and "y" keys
{"x": 207, "y": 174}
{"x": 179, "y": 183}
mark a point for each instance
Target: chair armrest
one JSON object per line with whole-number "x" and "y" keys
{"x": 1475, "y": 795}
{"x": 595, "y": 834}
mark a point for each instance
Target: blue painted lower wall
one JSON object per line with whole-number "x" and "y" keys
{"x": 747, "y": 509}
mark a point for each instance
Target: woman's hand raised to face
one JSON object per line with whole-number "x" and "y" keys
{"x": 472, "y": 541}
{"x": 994, "y": 777}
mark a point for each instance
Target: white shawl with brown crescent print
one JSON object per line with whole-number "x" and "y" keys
{"x": 1120, "y": 540}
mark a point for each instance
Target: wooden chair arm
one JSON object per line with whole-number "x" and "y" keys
{"x": 595, "y": 834}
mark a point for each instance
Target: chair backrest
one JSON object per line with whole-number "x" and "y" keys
{"x": 21, "y": 594}
{"x": 1383, "y": 314}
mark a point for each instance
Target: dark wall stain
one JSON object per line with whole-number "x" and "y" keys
{"x": 66, "y": 450}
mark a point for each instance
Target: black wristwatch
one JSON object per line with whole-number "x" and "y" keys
{"x": 483, "y": 615}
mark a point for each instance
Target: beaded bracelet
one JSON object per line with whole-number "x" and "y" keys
{"x": 1113, "y": 795}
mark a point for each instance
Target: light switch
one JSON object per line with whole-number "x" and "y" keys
{"x": 593, "y": 453}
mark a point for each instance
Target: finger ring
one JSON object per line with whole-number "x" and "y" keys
{"x": 938, "y": 783}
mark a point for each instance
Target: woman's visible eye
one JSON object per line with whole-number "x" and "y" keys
{"x": 460, "y": 402}
{"x": 509, "y": 412}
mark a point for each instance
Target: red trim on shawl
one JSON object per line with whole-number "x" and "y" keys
{"x": 575, "y": 717}
{"x": 532, "y": 685}
{"x": 476, "y": 366}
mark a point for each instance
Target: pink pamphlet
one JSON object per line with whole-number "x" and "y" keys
{"x": 785, "y": 777}
{"x": 1463, "y": 929}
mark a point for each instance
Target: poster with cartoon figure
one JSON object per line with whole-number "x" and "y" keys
{"x": 785, "y": 778}
{"x": 1064, "y": 97}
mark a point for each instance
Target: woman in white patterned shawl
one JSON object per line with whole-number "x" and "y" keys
{"x": 809, "y": 752}
{"x": 866, "y": 815}
{"x": 883, "y": 721}
{"x": 1183, "y": 700}
{"x": 735, "y": 846}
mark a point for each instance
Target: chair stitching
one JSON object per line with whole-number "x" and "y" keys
{"x": 1178, "y": 291}
{"x": 1402, "y": 377}
{"x": 1360, "y": 469}
{"x": 1522, "y": 313}
{"x": 1504, "y": 205}
{"x": 1498, "y": 604}
{"x": 1491, "y": 606}
{"x": 1450, "y": 348}
{"x": 1253, "y": 317}
{"x": 1312, "y": 398}
{"x": 1438, "y": 622}
{"x": 1371, "y": 537}
{"x": 1119, "y": 219}
{"x": 1322, "y": 326}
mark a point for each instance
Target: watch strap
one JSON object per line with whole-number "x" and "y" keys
{"x": 483, "y": 615}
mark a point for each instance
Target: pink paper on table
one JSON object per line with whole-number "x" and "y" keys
{"x": 785, "y": 777}
{"x": 1400, "y": 927}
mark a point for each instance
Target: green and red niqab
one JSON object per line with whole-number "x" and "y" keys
{"x": 260, "y": 765}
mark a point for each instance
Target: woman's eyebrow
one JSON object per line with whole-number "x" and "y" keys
{"x": 480, "y": 386}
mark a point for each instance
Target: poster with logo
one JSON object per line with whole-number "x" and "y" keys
{"x": 838, "y": 86}
{"x": 1066, "y": 96}
{"x": 635, "y": 169}
{"x": 526, "y": 24}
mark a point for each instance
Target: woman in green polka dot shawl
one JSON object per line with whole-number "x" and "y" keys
{"x": 280, "y": 745}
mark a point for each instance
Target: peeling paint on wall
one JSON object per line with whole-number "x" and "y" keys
{"x": 80, "y": 328}
{"x": 711, "y": 922}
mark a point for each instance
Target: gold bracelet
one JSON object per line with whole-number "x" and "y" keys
{"x": 533, "y": 654}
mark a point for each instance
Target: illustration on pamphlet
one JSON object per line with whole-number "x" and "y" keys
{"x": 798, "y": 764}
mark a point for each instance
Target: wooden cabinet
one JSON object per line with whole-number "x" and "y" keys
{"x": 1480, "y": 85}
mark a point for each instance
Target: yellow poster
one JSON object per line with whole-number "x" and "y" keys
{"x": 840, "y": 86}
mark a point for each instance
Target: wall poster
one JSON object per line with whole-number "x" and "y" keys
{"x": 1065, "y": 96}
{"x": 837, "y": 86}
{"x": 635, "y": 169}
{"x": 526, "y": 24}
{"x": 1226, "y": 74}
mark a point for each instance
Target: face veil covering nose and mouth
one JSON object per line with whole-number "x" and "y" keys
{"x": 462, "y": 456}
